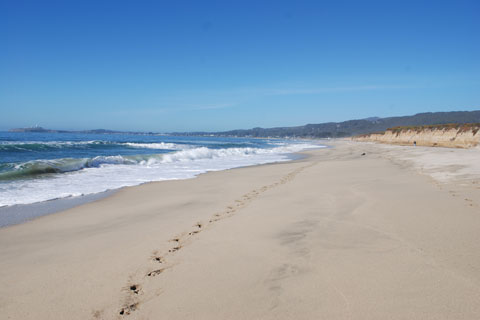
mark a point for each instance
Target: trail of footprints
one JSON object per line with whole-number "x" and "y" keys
{"x": 134, "y": 290}
{"x": 468, "y": 201}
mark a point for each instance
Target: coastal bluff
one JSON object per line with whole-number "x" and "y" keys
{"x": 444, "y": 135}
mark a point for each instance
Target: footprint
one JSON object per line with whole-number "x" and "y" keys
{"x": 97, "y": 314}
{"x": 158, "y": 259}
{"x": 128, "y": 309}
{"x": 155, "y": 272}
{"x": 174, "y": 249}
{"x": 135, "y": 288}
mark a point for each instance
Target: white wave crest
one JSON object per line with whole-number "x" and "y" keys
{"x": 53, "y": 143}
{"x": 206, "y": 153}
{"x": 87, "y": 176}
{"x": 98, "y": 161}
{"x": 160, "y": 145}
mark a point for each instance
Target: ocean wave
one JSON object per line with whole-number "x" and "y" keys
{"x": 43, "y": 180}
{"x": 40, "y": 167}
{"x": 34, "y": 146}
{"x": 59, "y": 143}
{"x": 156, "y": 145}
{"x": 207, "y": 153}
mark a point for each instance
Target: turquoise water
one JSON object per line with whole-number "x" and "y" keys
{"x": 37, "y": 167}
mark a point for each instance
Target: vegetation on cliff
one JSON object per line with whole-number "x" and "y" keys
{"x": 460, "y": 127}
{"x": 451, "y": 135}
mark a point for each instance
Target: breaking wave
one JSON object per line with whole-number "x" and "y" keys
{"x": 34, "y": 146}
{"x": 38, "y": 167}
{"x": 83, "y": 170}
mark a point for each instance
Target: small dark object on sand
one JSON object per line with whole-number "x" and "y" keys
{"x": 363, "y": 154}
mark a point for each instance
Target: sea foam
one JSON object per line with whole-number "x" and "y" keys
{"x": 74, "y": 177}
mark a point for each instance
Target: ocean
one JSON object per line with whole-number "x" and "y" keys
{"x": 37, "y": 167}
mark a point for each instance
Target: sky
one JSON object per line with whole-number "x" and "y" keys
{"x": 182, "y": 65}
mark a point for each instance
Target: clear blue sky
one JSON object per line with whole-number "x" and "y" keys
{"x": 204, "y": 65}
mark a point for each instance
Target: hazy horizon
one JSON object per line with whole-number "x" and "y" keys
{"x": 207, "y": 66}
{"x": 168, "y": 132}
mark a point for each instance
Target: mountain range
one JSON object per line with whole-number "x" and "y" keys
{"x": 350, "y": 127}
{"x": 320, "y": 130}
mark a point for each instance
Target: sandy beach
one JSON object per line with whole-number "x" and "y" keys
{"x": 392, "y": 234}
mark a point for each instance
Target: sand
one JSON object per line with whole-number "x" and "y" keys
{"x": 388, "y": 235}
{"x": 443, "y": 135}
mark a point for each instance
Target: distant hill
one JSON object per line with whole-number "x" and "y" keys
{"x": 351, "y": 127}
{"x": 321, "y": 130}
{"x": 32, "y": 129}
{"x": 94, "y": 131}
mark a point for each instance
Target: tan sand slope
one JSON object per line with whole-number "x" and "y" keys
{"x": 433, "y": 136}
{"x": 335, "y": 236}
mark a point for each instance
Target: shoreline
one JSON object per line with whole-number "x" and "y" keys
{"x": 85, "y": 167}
{"x": 335, "y": 235}
{"x": 23, "y": 213}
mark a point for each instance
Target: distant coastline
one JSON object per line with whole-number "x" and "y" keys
{"x": 322, "y": 130}
{"x": 38, "y": 129}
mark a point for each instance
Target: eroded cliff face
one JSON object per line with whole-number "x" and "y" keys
{"x": 439, "y": 136}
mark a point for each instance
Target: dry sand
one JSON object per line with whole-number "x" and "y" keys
{"x": 335, "y": 236}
